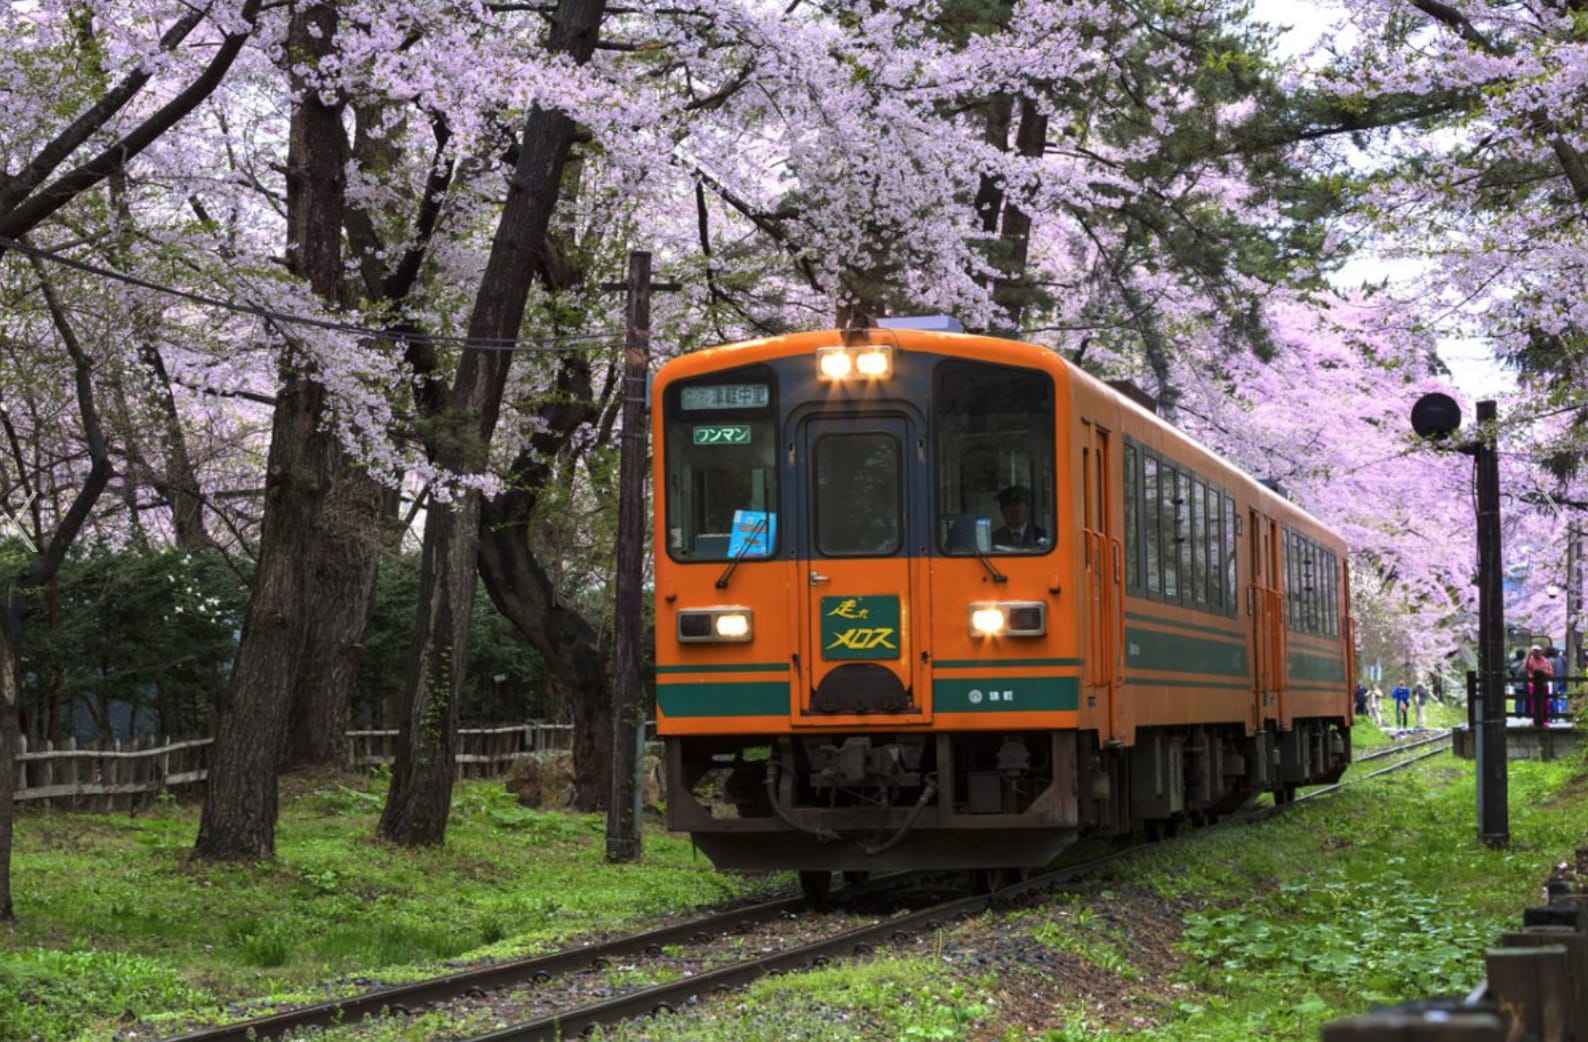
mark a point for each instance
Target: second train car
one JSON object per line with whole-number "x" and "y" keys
{"x": 927, "y": 599}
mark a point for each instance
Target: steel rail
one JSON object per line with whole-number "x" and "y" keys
{"x": 530, "y": 968}
{"x": 1392, "y": 768}
{"x": 536, "y": 969}
{"x": 863, "y": 940}
{"x": 1391, "y": 750}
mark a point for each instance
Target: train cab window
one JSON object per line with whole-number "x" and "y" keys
{"x": 721, "y": 470}
{"x": 857, "y": 498}
{"x": 993, "y": 450}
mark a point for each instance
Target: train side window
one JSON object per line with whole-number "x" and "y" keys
{"x": 1196, "y": 510}
{"x": 1290, "y": 578}
{"x": 1133, "y": 541}
{"x": 1334, "y": 596}
{"x": 1215, "y": 569}
{"x": 1170, "y": 503}
{"x": 1231, "y": 558}
{"x": 1150, "y": 527}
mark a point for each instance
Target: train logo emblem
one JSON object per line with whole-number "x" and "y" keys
{"x": 860, "y": 627}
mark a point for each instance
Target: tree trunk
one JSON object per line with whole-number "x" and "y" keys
{"x": 239, "y": 817}
{"x": 152, "y": 407}
{"x": 568, "y": 644}
{"x": 1012, "y": 291}
{"x": 446, "y": 589}
{"x": 9, "y": 696}
{"x": 421, "y": 786}
{"x": 346, "y": 566}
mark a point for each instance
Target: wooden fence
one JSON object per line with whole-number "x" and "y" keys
{"x": 1537, "y": 989}
{"x": 120, "y": 775}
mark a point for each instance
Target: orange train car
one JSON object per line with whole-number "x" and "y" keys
{"x": 926, "y": 599}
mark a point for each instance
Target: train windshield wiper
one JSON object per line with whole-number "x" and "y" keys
{"x": 749, "y": 541}
{"x": 986, "y": 562}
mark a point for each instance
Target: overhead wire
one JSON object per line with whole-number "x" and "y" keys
{"x": 532, "y": 345}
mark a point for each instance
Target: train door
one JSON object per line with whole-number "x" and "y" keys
{"x": 860, "y": 636}
{"x": 1104, "y": 562}
{"x": 1265, "y": 604}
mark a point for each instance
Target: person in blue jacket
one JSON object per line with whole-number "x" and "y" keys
{"x": 1403, "y": 701}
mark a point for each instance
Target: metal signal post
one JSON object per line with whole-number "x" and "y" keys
{"x": 1493, "y": 809}
{"x": 1437, "y": 416}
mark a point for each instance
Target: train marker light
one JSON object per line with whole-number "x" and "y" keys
{"x": 702, "y": 625}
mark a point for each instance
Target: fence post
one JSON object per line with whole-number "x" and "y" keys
{"x": 1575, "y": 944}
{"x": 48, "y": 773}
{"x": 1534, "y": 986}
{"x": 73, "y": 771}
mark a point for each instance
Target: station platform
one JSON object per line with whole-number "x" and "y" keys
{"x": 1524, "y": 740}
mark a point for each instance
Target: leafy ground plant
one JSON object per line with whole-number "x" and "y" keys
{"x": 118, "y": 926}
{"x": 1380, "y": 893}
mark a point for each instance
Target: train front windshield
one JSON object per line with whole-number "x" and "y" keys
{"x": 722, "y": 467}
{"x": 993, "y": 440}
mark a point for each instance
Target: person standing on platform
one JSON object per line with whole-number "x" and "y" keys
{"x": 1420, "y": 698}
{"x": 1536, "y": 673}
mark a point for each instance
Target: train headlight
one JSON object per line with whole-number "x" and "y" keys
{"x": 728, "y": 625}
{"x": 1008, "y": 619}
{"x": 734, "y": 625}
{"x": 834, "y": 363}
{"x": 872, "y": 362}
{"x": 987, "y": 622}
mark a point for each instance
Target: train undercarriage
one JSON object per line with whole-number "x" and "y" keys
{"x": 987, "y": 801}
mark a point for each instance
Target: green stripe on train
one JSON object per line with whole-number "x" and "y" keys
{"x": 731, "y": 667}
{"x": 726, "y": 698}
{"x": 1150, "y": 649}
{"x": 1005, "y": 694}
{"x": 1316, "y": 667}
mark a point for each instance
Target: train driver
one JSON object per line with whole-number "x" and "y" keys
{"x": 1015, "y": 504}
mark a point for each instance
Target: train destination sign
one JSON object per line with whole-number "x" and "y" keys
{"x": 726, "y": 396}
{"x": 722, "y": 434}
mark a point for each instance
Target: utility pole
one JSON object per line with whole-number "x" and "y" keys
{"x": 624, "y": 809}
{"x": 1493, "y": 808}
{"x": 1574, "y": 570}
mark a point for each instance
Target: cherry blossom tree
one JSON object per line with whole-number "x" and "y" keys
{"x": 1470, "y": 178}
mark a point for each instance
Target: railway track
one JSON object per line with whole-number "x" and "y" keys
{"x": 530, "y": 980}
{"x": 404, "y": 998}
{"x": 1410, "y": 753}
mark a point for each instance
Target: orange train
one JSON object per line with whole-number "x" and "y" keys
{"x": 926, "y": 599}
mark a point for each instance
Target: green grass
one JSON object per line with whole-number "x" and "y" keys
{"x": 1378, "y": 894}
{"x": 116, "y": 923}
